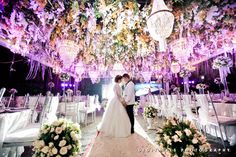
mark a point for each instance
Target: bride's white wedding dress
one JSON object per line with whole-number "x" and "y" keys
{"x": 115, "y": 121}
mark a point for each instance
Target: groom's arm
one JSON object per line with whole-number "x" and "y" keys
{"x": 129, "y": 93}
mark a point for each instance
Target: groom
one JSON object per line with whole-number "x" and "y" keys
{"x": 129, "y": 96}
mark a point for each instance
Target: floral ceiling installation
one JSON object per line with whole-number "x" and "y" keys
{"x": 107, "y": 32}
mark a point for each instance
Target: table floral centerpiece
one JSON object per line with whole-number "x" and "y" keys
{"x": 61, "y": 138}
{"x": 149, "y": 113}
{"x": 201, "y": 87}
{"x": 181, "y": 138}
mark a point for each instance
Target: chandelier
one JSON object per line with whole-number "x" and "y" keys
{"x": 160, "y": 23}
{"x": 182, "y": 49}
{"x": 68, "y": 51}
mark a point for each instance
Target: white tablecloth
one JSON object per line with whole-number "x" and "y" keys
{"x": 228, "y": 110}
{"x": 9, "y": 122}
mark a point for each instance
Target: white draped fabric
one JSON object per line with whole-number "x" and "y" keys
{"x": 10, "y": 122}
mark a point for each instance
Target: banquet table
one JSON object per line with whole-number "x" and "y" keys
{"x": 9, "y": 122}
{"x": 227, "y": 109}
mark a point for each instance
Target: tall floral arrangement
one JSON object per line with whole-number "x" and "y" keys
{"x": 182, "y": 138}
{"x": 61, "y": 138}
{"x": 223, "y": 64}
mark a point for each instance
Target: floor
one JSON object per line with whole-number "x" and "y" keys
{"x": 89, "y": 133}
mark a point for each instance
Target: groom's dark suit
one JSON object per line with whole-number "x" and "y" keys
{"x": 129, "y": 96}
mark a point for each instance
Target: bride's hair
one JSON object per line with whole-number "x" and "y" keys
{"x": 118, "y": 78}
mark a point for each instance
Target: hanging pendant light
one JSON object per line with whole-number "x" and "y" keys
{"x": 160, "y": 23}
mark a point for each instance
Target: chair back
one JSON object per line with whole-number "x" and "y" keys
{"x": 202, "y": 101}
{"x": 26, "y": 100}
{"x": 33, "y": 104}
{"x": 2, "y": 91}
{"x": 45, "y": 110}
{"x": 71, "y": 109}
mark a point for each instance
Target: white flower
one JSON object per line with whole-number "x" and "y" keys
{"x": 172, "y": 121}
{"x": 58, "y": 156}
{"x": 74, "y": 136}
{"x": 188, "y": 132}
{"x": 205, "y": 147}
{"x": 56, "y": 123}
{"x": 176, "y": 138}
{"x": 54, "y": 150}
{"x": 189, "y": 151}
{"x": 62, "y": 143}
{"x": 58, "y": 130}
{"x": 202, "y": 139}
{"x": 56, "y": 137}
{"x": 75, "y": 126}
{"x": 38, "y": 144}
{"x": 52, "y": 129}
{"x": 63, "y": 150}
{"x": 69, "y": 147}
{"x": 51, "y": 144}
{"x": 45, "y": 149}
{"x": 195, "y": 141}
{"x": 179, "y": 133}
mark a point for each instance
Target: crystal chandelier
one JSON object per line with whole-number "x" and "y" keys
{"x": 160, "y": 23}
{"x": 68, "y": 51}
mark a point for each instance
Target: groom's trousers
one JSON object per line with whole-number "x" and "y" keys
{"x": 130, "y": 111}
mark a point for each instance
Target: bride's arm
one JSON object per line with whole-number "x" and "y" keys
{"x": 119, "y": 94}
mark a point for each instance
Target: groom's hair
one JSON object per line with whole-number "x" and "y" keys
{"x": 126, "y": 76}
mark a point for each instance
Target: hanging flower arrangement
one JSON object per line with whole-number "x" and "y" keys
{"x": 125, "y": 29}
{"x": 64, "y": 77}
{"x": 222, "y": 62}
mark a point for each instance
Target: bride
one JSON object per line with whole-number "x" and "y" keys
{"x": 115, "y": 121}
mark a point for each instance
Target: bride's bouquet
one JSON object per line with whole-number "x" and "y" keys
{"x": 61, "y": 138}
{"x": 182, "y": 138}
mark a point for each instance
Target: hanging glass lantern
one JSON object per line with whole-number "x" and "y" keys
{"x": 160, "y": 23}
